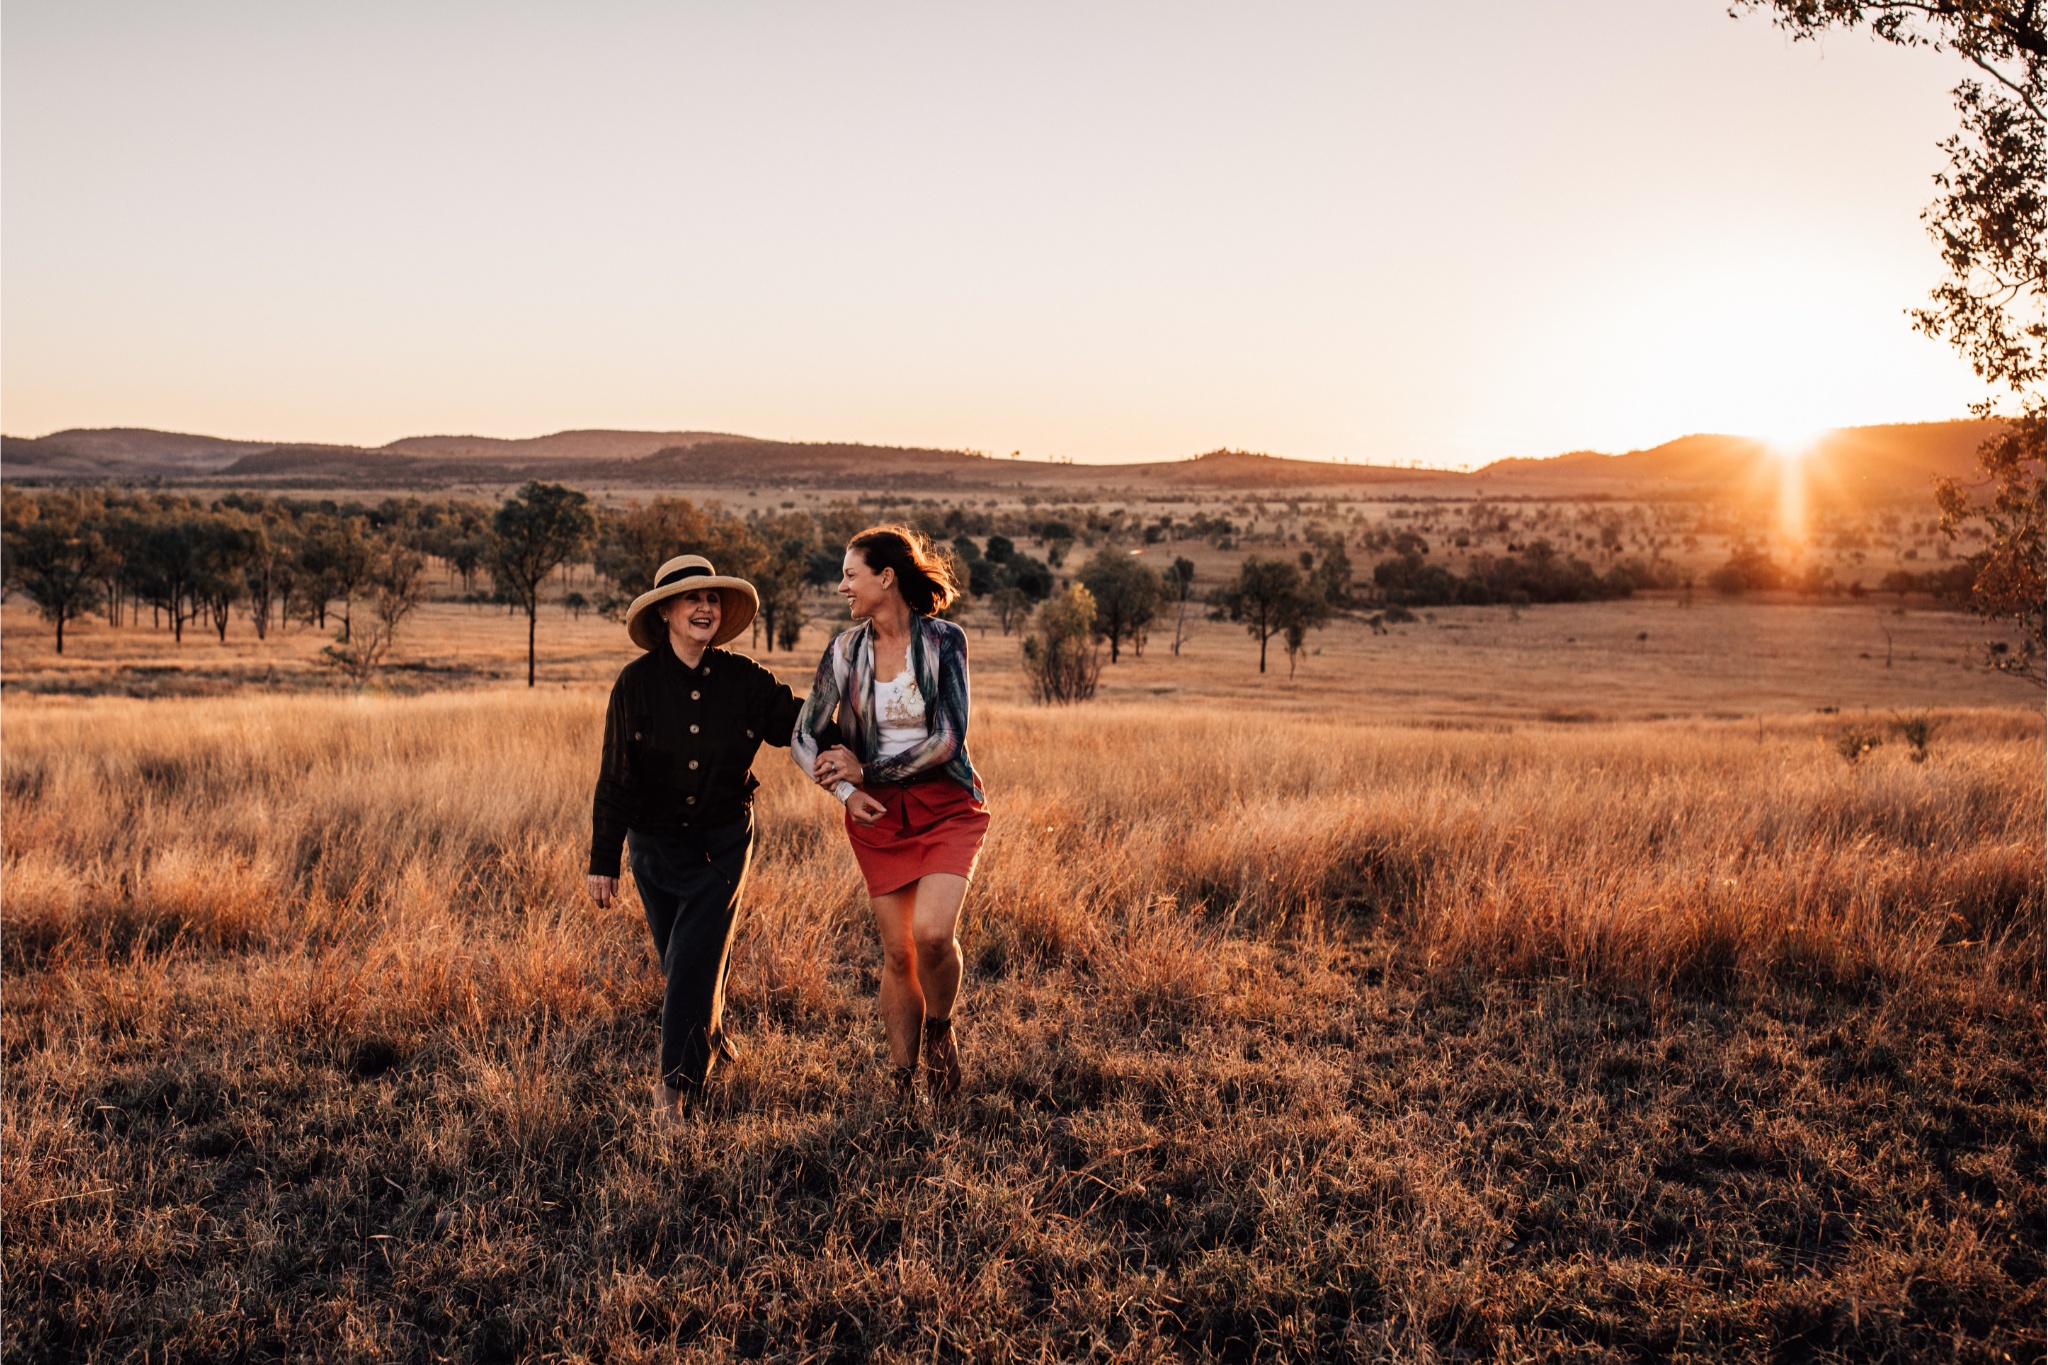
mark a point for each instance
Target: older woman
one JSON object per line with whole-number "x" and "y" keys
{"x": 685, "y": 721}
{"x": 896, "y": 686}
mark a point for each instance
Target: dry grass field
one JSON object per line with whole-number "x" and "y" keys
{"x": 1339, "y": 1018}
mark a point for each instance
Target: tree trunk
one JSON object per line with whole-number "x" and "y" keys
{"x": 60, "y": 632}
{"x": 532, "y": 612}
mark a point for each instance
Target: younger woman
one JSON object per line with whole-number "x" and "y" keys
{"x": 896, "y": 684}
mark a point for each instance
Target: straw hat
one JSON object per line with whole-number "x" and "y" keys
{"x": 686, "y": 573}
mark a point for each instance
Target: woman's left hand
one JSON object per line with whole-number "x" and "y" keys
{"x": 837, "y": 764}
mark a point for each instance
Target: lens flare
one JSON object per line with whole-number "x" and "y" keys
{"x": 1790, "y": 448}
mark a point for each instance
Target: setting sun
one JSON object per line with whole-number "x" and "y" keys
{"x": 1793, "y": 444}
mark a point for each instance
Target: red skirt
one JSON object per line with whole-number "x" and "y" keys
{"x": 925, "y": 827}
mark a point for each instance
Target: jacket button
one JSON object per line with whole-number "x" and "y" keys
{"x": 689, "y": 800}
{"x": 693, "y": 729}
{"x": 693, "y": 765}
{"x": 696, "y": 696}
{"x": 750, "y": 734}
{"x": 636, "y": 734}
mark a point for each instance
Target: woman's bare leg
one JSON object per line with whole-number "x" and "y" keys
{"x": 935, "y": 927}
{"x": 903, "y": 1003}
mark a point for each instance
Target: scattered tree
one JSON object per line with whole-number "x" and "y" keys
{"x": 1269, "y": 596}
{"x": 532, "y": 535}
{"x": 52, "y": 559}
{"x": 395, "y": 583}
{"x": 1011, "y": 606}
{"x": 1180, "y": 589}
{"x": 1126, "y": 595}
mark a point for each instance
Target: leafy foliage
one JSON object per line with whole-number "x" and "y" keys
{"x": 1990, "y": 220}
{"x": 532, "y": 535}
{"x": 52, "y": 558}
{"x": 1271, "y": 597}
{"x": 1060, "y": 660}
{"x": 1127, "y": 595}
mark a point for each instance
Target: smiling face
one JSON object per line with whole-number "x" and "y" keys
{"x": 693, "y": 616}
{"x": 865, "y": 591}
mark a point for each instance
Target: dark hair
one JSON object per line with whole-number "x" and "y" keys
{"x": 922, "y": 575}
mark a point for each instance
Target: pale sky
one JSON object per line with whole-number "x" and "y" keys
{"x": 1105, "y": 231}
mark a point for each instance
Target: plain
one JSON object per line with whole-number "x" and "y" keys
{"x": 1421, "y": 1028}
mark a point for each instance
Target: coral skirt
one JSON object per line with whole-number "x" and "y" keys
{"x": 931, "y": 826}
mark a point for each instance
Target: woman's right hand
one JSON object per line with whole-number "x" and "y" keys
{"x": 602, "y": 889}
{"x": 864, "y": 809}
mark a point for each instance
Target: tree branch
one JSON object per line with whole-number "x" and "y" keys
{"x": 2026, "y": 95}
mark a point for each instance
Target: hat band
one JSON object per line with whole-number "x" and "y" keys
{"x": 687, "y": 571}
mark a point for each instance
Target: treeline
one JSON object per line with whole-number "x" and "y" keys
{"x": 1535, "y": 573}
{"x": 178, "y": 561}
{"x": 186, "y": 561}
{"x": 1750, "y": 569}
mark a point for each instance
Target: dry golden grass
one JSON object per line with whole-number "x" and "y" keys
{"x": 1290, "y": 1035}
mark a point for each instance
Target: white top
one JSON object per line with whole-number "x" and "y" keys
{"x": 899, "y": 716}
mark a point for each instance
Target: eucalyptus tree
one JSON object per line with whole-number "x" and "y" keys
{"x": 1126, "y": 596}
{"x": 1990, "y": 220}
{"x": 1270, "y": 597}
{"x": 52, "y": 555}
{"x": 539, "y": 529}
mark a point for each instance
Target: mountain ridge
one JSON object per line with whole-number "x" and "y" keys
{"x": 1885, "y": 461}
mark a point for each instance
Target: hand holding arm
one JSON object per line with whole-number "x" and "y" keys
{"x": 836, "y": 765}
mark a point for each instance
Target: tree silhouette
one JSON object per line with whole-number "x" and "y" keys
{"x": 1180, "y": 588}
{"x": 53, "y": 559}
{"x": 1990, "y": 219}
{"x": 532, "y": 535}
{"x": 1126, "y": 598}
{"x": 1269, "y": 596}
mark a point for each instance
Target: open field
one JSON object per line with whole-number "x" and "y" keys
{"x": 1370, "y": 1015}
{"x": 1646, "y": 658}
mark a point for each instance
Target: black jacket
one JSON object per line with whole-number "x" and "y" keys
{"x": 678, "y": 746}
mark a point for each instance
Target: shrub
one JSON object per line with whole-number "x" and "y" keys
{"x": 1855, "y": 741}
{"x": 1917, "y": 731}
{"x": 1747, "y": 570}
{"x": 1060, "y": 659}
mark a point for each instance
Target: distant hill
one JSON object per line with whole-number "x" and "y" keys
{"x": 1874, "y": 463}
{"x": 591, "y": 446}
{"x": 132, "y": 451}
{"x": 1877, "y": 463}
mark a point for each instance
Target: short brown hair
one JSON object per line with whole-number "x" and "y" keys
{"x": 923, "y": 575}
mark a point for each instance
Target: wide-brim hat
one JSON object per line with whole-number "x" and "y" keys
{"x": 687, "y": 573}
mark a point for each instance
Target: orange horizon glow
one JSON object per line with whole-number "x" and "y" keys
{"x": 1185, "y": 233}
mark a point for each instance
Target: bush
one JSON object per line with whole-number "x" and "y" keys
{"x": 1747, "y": 570}
{"x": 1060, "y": 659}
{"x": 1855, "y": 741}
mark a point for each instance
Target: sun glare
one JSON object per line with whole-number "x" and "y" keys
{"x": 1791, "y": 447}
{"x": 1794, "y": 444}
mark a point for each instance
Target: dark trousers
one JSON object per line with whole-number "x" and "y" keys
{"x": 690, "y": 882}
